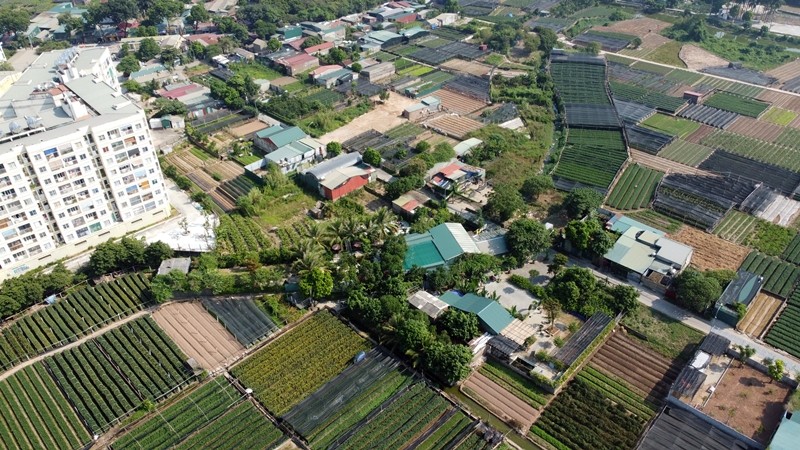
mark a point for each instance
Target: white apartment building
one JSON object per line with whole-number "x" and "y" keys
{"x": 77, "y": 162}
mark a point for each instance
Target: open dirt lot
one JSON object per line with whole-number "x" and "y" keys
{"x": 696, "y": 58}
{"x": 226, "y": 169}
{"x": 454, "y": 126}
{"x": 248, "y": 127}
{"x": 470, "y": 67}
{"x": 383, "y": 118}
{"x": 711, "y": 252}
{"x": 756, "y": 128}
{"x": 759, "y": 315}
{"x": 644, "y": 370}
{"x": 638, "y": 27}
{"x": 700, "y": 134}
{"x": 198, "y": 334}
{"x": 786, "y": 72}
{"x": 500, "y": 402}
{"x": 747, "y": 401}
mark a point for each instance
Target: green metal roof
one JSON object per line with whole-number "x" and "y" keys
{"x": 788, "y": 434}
{"x": 271, "y": 131}
{"x": 439, "y": 246}
{"x": 422, "y": 252}
{"x": 492, "y": 316}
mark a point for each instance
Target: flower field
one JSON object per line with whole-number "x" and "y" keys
{"x": 735, "y": 103}
{"x": 242, "y": 427}
{"x": 785, "y": 334}
{"x": 592, "y": 157}
{"x": 237, "y": 234}
{"x": 36, "y": 415}
{"x": 635, "y": 188}
{"x": 413, "y": 412}
{"x": 68, "y": 319}
{"x": 779, "y": 276}
{"x": 298, "y": 363}
{"x": 108, "y": 377}
{"x": 582, "y": 417}
{"x": 176, "y": 422}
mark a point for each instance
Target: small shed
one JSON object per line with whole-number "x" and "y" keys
{"x": 180, "y": 264}
{"x": 428, "y": 303}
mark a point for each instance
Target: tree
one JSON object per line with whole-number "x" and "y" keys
{"x": 160, "y": 10}
{"x": 459, "y": 324}
{"x": 169, "y": 55}
{"x": 265, "y": 277}
{"x": 146, "y": 31}
{"x": 503, "y": 203}
{"x": 626, "y": 298}
{"x": 696, "y": 290}
{"x": 580, "y": 232}
{"x": 274, "y": 45}
{"x": 167, "y": 107}
{"x": 581, "y": 201}
{"x": 775, "y": 369}
{"x": 636, "y": 42}
{"x": 160, "y": 290}
{"x": 551, "y": 308}
{"x": 264, "y": 29}
{"x": 402, "y": 185}
{"x": 122, "y": 10}
{"x": 536, "y": 185}
{"x": 128, "y": 65}
{"x": 449, "y": 362}
{"x": 58, "y": 279}
{"x": 333, "y": 149}
{"x": 317, "y": 283}
{"x": 71, "y": 23}
{"x": 560, "y": 260}
{"x": 156, "y": 252}
{"x": 593, "y": 48}
{"x": 311, "y": 41}
{"x": 356, "y": 67}
{"x": 602, "y": 242}
{"x": 384, "y": 95}
{"x": 450, "y": 6}
{"x": 197, "y": 14}
{"x": 547, "y": 39}
{"x": 372, "y": 157}
{"x": 13, "y": 20}
{"x": 148, "y": 49}
{"x": 745, "y": 352}
{"x": 527, "y": 238}
{"x": 337, "y": 55}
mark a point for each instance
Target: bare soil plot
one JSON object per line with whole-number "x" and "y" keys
{"x": 222, "y": 200}
{"x": 759, "y": 315}
{"x": 501, "y": 402}
{"x": 749, "y": 126}
{"x": 663, "y": 164}
{"x": 678, "y": 90}
{"x": 185, "y": 161}
{"x": 638, "y": 27}
{"x": 454, "y": 126}
{"x": 747, "y": 401}
{"x": 198, "y": 334}
{"x": 649, "y": 44}
{"x": 700, "y": 134}
{"x": 696, "y": 58}
{"x": 711, "y": 252}
{"x": 383, "y": 118}
{"x": 457, "y": 103}
{"x": 202, "y": 180}
{"x": 247, "y": 128}
{"x": 786, "y": 72}
{"x": 228, "y": 170}
{"x": 283, "y": 81}
{"x": 781, "y": 99}
{"x": 795, "y": 123}
{"x": 470, "y": 67}
{"x": 644, "y": 370}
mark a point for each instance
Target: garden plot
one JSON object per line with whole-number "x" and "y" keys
{"x": 248, "y": 128}
{"x": 709, "y": 116}
{"x": 785, "y": 72}
{"x": 458, "y": 103}
{"x": 640, "y": 27}
{"x": 711, "y": 252}
{"x": 635, "y": 188}
{"x": 499, "y": 401}
{"x": 641, "y": 76}
{"x": 685, "y": 152}
{"x": 203, "y": 180}
{"x": 648, "y": 97}
{"x": 242, "y": 318}
{"x": 454, "y": 126}
{"x": 649, "y": 374}
{"x": 674, "y": 126}
{"x": 469, "y": 67}
{"x": 781, "y": 99}
{"x": 700, "y": 134}
{"x": 785, "y": 334}
{"x": 650, "y": 43}
{"x": 742, "y": 74}
{"x": 782, "y": 180}
{"x": 749, "y": 402}
{"x": 609, "y": 41}
{"x": 35, "y": 413}
{"x": 778, "y": 155}
{"x": 185, "y": 161}
{"x": 663, "y": 165}
{"x": 632, "y": 113}
{"x": 592, "y": 157}
{"x": 646, "y": 139}
{"x": 227, "y": 170}
{"x": 792, "y": 252}
{"x": 778, "y": 116}
{"x": 242, "y": 427}
{"x": 758, "y": 129}
{"x": 759, "y": 315}
{"x": 198, "y": 334}
{"x": 779, "y": 276}
{"x": 736, "y": 227}
{"x": 580, "y": 80}
{"x": 738, "y": 104}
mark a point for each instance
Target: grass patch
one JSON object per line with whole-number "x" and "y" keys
{"x": 761, "y": 57}
{"x": 665, "y": 335}
{"x": 770, "y": 238}
{"x": 674, "y": 126}
{"x": 666, "y": 54}
{"x": 652, "y": 68}
{"x": 297, "y": 86}
{"x": 326, "y": 121}
{"x": 657, "y": 220}
{"x": 256, "y": 70}
{"x": 199, "y": 153}
{"x": 285, "y": 207}
{"x": 247, "y": 159}
{"x": 779, "y": 116}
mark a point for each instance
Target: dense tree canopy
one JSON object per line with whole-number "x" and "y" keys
{"x": 581, "y": 201}
{"x": 526, "y": 238}
{"x": 696, "y": 290}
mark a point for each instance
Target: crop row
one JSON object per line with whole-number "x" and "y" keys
{"x": 298, "y": 363}
{"x": 242, "y": 318}
{"x": 108, "y": 377}
{"x": 515, "y": 383}
{"x": 34, "y": 413}
{"x": 646, "y": 97}
{"x": 737, "y": 227}
{"x": 686, "y": 152}
{"x": 792, "y": 252}
{"x": 635, "y": 188}
{"x": 785, "y": 334}
{"x": 242, "y": 427}
{"x": 582, "y": 417}
{"x": 448, "y": 431}
{"x": 237, "y": 234}
{"x": 580, "y": 83}
{"x": 779, "y": 276}
{"x": 68, "y": 319}
{"x": 173, "y": 424}
{"x": 779, "y": 155}
{"x": 408, "y": 415}
{"x": 618, "y": 392}
{"x": 473, "y": 442}
{"x": 738, "y": 104}
{"x": 592, "y": 157}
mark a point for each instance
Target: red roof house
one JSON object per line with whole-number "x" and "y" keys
{"x": 321, "y": 49}
{"x": 299, "y": 63}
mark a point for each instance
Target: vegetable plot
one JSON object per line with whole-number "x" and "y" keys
{"x": 237, "y": 234}
{"x": 738, "y": 104}
{"x": 298, "y": 363}
{"x": 36, "y": 415}
{"x": 81, "y": 312}
{"x": 635, "y": 188}
{"x": 242, "y": 427}
{"x": 785, "y": 334}
{"x": 779, "y": 276}
{"x": 242, "y": 318}
{"x": 592, "y": 157}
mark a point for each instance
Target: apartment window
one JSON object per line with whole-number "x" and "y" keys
{"x": 48, "y": 181}
{"x": 102, "y": 137}
{"x": 33, "y": 213}
{"x": 7, "y": 261}
{"x": 83, "y": 156}
{"x": 117, "y": 183}
{"x": 37, "y": 157}
{"x": 12, "y": 165}
{"x": 29, "y": 238}
{"x": 138, "y": 126}
{"x": 117, "y": 145}
{"x": 113, "y": 134}
{"x": 17, "y": 177}
{"x": 52, "y": 193}
{"x": 42, "y": 169}
{"x": 141, "y": 138}
{"x": 19, "y": 255}
{"x": 105, "y": 149}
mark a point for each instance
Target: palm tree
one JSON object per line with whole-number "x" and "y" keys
{"x": 334, "y": 233}
{"x": 382, "y": 224}
{"x": 315, "y": 232}
{"x": 309, "y": 256}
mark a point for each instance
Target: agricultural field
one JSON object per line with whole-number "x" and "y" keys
{"x": 583, "y": 417}
{"x": 779, "y": 276}
{"x": 674, "y": 126}
{"x": 242, "y": 318}
{"x": 668, "y": 337}
{"x": 68, "y": 319}
{"x": 580, "y": 83}
{"x": 35, "y": 414}
{"x": 108, "y": 377}
{"x": 790, "y": 138}
{"x": 502, "y": 403}
{"x": 635, "y": 188}
{"x": 618, "y": 392}
{"x": 710, "y": 251}
{"x": 515, "y": 383}
{"x": 771, "y": 239}
{"x": 413, "y": 412}
{"x": 299, "y": 362}
{"x": 778, "y": 116}
{"x": 792, "y": 252}
{"x": 647, "y": 97}
{"x": 785, "y": 333}
{"x": 656, "y": 220}
{"x": 339, "y": 405}
{"x": 448, "y": 432}
{"x": 755, "y": 128}
{"x": 737, "y": 104}
{"x": 777, "y": 154}
{"x": 648, "y": 373}
{"x": 759, "y": 315}
{"x": 198, "y": 334}
{"x": 242, "y": 427}
{"x": 685, "y": 152}
{"x": 592, "y": 157}
{"x": 736, "y": 227}
{"x": 237, "y": 234}
{"x": 173, "y": 424}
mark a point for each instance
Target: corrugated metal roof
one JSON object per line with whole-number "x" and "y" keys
{"x": 428, "y": 303}
{"x": 344, "y": 160}
{"x": 491, "y": 315}
{"x": 788, "y": 434}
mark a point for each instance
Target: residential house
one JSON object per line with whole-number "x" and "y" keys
{"x": 443, "y": 20}
{"x": 339, "y": 176}
{"x": 197, "y": 98}
{"x": 427, "y": 106}
{"x": 430, "y": 304}
{"x": 379, "y": 72}
{"x": 336, "y": 77}
{"x": 322, "y": 70}
{"x": 382, "y": 39}
{"x": 259, "y": 46}
{"x": 204, "y": 39}
{"x": 244, "y": 55}
{"x": 221, "y": 7}
{"x": 403, "y": 17}
{"x": 320, "y": 50}
{"x": 439, "y": 246}
{"x": 296, "y": 155}
{"x": 491, "y": 315}
{"x": 407, "y": 204}
{"x": 448, "y": 177}
{"x": 298, "y": 63}
{"x": 276, "y": 136}
{"x": 289, "y": 32}
{"x": 464, "y": 147}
